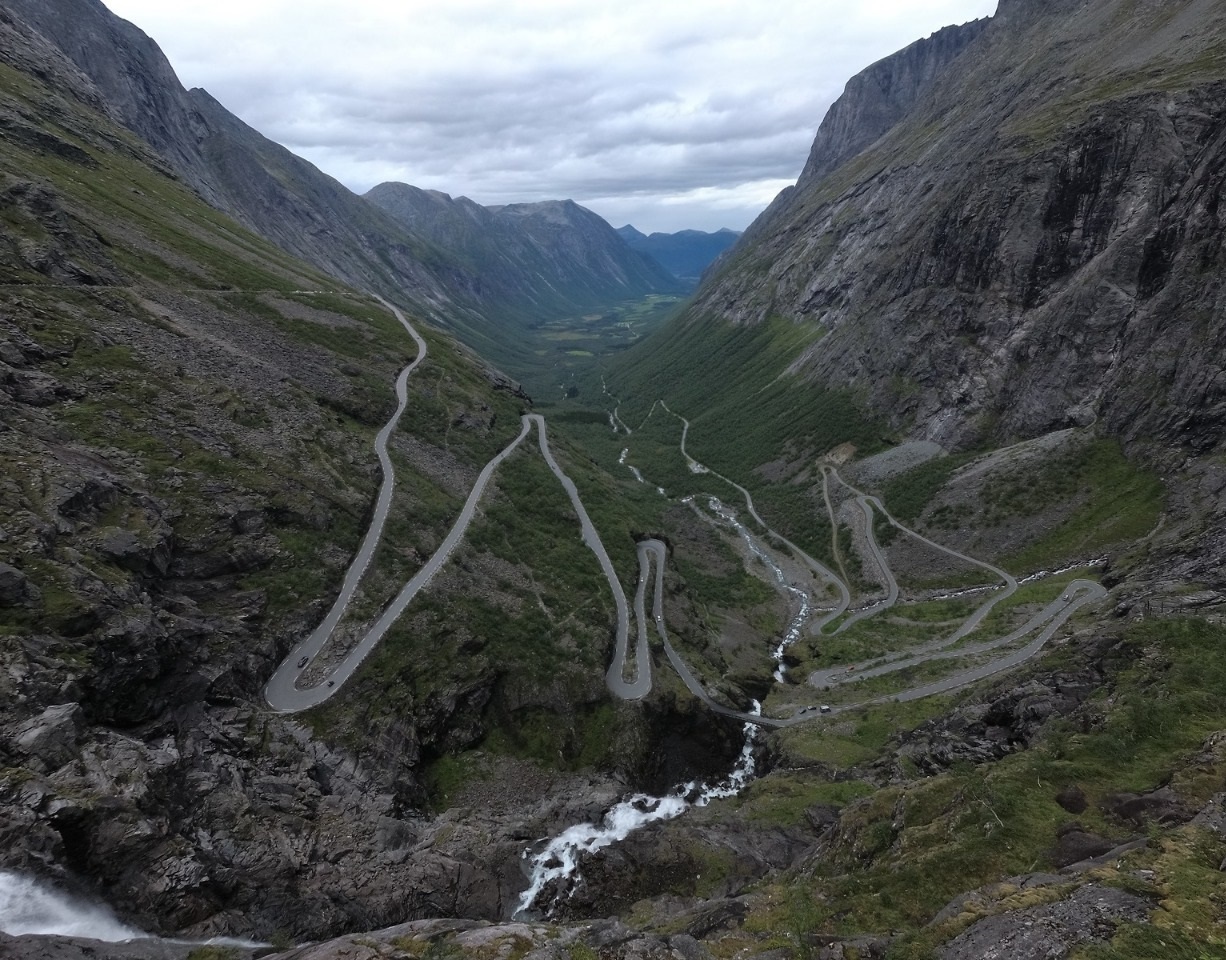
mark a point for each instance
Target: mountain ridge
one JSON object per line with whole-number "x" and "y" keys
{"x": 539, "y": 261}
{"x": 303, "y": 210}
{"x": 1000, "y": 248}
{"x": 686, "y": 253}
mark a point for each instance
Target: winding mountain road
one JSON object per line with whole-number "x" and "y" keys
{"x": 652, "y": 553}
{"x": 868, "y": 504}
{"x": 1078, "y": 594}
{"x": 283, "y": 692}
{"x": 891, "y": 583}
{"x": 821, "y": 570}
{"x": 632, "y": 679}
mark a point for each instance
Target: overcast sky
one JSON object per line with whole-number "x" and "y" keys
{"x": 661, "y": 113}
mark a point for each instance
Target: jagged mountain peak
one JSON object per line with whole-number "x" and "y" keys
{"x": 879, "y": 96}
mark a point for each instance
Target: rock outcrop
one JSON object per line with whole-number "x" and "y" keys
{"x": 1010, "y": 228}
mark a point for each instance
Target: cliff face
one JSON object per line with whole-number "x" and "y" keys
{"x": 1025, "y": 236}
{"x": 877, "y": 98}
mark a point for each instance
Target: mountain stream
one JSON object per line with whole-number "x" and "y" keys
{"x": 28, "y": 906}
{"x": 792, "y": 633}
{"x": 557, "y": 862}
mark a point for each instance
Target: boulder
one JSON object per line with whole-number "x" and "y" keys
{"x": 1212, "y": 815}
{"x": 15, "y": 587}
{"x": 1089, "y": 915}
{"x": 129, "y": 551}
{"x": 1158, "y": 806}
{"x": 1074, "y": 843}
{"x": 1073, "y": 799}
{"x": 52, "y": 736}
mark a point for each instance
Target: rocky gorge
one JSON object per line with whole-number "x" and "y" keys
{"x": 1004, "y": 245}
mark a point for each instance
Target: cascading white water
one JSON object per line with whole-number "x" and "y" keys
{"x": 27, "y": 906}
{"x": 1041, "y": 574}
{"x": 638, "y": 474}
{"x": 792, "y": 633}
{"x": 558, "y": 860}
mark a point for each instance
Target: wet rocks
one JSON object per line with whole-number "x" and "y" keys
{"x": 687, "y": 858}
{"x": 80, "y": 948}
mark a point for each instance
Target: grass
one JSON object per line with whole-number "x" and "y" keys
{"x": 906, "y": 850}
{"x": 857, "y": 737}
{"x": 895, "y": 630}
{"x": 1117, "y": 502}
{"x": 908, "y": 494}
{"x": 782, "y": 799}
{"x": 745, "y": 411}
{"x": 520, "y": 622}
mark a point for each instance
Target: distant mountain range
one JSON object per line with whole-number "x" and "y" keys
{"x": 533, "y": 260}
{"x": 685, "y": 254}
{"x": 481, "y": 275}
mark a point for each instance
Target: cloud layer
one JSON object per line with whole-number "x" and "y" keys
{"x": 655, "y": 112}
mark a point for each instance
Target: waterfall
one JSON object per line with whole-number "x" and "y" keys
{"x": 26, "y": 906}
{"x": 558, "y": 861}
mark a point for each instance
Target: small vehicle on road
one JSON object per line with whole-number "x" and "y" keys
{"x": 332, "y": 683}
{"x": 825, "y": 708}
{"x": 302, "y": 662}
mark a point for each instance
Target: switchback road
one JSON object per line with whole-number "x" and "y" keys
{"x": 283, "y": 692}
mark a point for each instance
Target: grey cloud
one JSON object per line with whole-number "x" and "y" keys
{"x": 645, "y": 108}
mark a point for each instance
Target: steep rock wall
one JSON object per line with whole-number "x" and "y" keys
{"x": 1034, "y": 244}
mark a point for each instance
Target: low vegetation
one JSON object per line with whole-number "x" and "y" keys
{"x": 902, "y": 852}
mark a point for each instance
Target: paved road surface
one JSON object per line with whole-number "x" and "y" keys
{"x": 623, "y": 679}
{"x": 283, "y": 692}
{"x": 1075, "y": 596}
{"x": 891, "y": 583}
{"x": 822, "y": 571}
{"x": 640, "y": 686}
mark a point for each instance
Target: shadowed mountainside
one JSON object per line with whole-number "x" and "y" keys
{"x": 685, "y": 254}
{"x": 538, "y": 261}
